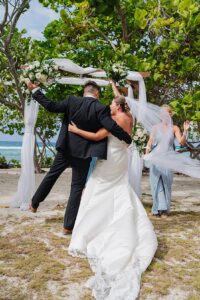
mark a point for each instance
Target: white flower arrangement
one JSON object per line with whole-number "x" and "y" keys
{"x": 117, "y": 72}
{"x": 140, "y": 137}
{"x": 42, "y": 73}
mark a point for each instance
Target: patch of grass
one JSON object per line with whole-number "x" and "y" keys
{"x": 147, "y": 290}
{"x": 57, "y": 241}
{"x": 79, "y": 269}
{"x": 51, "y": 270}
{"x": 61, "y": 254}
{"x": 160, "y": 287}
{"x": 191, "y": 215}
{"x": 87, "y": 297}
{"x": 193, "y": 296}
{"x": 158, "y": 267}
{"x": 24, "y": 267}
{"x": 177, "y": 259}
{"x": 2, "y": 227}
{"x": 9, "y": 292}
{"x": 196, "y": 281}
{"x": 57, "y": 219}
{"x": 24, "y": 219}
{"x": 37, "y": 257}
{"x": 32, "y": 261}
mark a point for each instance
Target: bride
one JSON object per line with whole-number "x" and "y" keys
{"x": 112, "y": 228}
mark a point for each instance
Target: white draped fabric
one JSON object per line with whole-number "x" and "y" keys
{"x": 135, "y": 161}
{"x": 69, "y": 66}
{"x": 135, "y": 167}
{"x": 26, "y": 184}
{"x": 81, "y": 81}
{"x": 154, "y": 118}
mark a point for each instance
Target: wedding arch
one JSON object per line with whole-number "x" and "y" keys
{"x": 26, "y": 183}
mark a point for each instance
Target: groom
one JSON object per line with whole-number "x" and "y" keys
{"x": 72, "y": 150}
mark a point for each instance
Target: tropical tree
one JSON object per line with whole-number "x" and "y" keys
{"x": 157, "y": 36}
{"x": 15, "y": 51}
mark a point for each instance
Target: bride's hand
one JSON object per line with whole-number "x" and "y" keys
{"x": 73, "y": 128}
{"x": 31, "y": 86}
{"x": 186, "y": 125}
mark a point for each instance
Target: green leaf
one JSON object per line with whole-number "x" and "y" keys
{"x": 156, "y": 76}
{"x": 140, "y": 18}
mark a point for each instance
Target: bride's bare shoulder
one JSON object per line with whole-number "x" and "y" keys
{"x": 129, "y": 115}
{"x": 119, "y": 117}
{"x": 130, "y": 118}
{"x": 124, "y": 121}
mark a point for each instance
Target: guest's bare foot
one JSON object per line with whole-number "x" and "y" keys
{"x": 164, "y": 216}
{"x": 155, "y": 215}
{"x": 67, "y": 231}
{"x": 34, "y": 210}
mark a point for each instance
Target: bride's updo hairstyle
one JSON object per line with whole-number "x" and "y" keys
{"x": 169, "y": 109}
{"x": 120, "y": 100}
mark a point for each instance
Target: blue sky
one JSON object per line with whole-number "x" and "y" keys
{"x": 34, "y": 21}
{"x": 36, "y": 18}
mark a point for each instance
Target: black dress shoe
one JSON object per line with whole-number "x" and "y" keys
{"x": 67, "y": 231}
{"x": 34, "y": 210}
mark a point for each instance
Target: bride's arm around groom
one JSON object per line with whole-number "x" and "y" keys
{"x": 73, "y": 102}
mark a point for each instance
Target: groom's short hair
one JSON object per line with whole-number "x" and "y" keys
{"x": 91, "y": 87}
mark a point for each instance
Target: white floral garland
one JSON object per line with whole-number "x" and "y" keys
{"x": 140, "y": 137}
{"x": 43, "y": 73}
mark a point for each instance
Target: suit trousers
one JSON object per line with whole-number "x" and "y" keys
{"x": 80, "y": 169}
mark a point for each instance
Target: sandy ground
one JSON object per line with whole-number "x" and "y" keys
{"x": 186, "y": 192}
{"x": 183, "y": 225}
{"x": 8, "y": 186}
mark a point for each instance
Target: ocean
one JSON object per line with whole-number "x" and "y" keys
{"x": 12, "y": 150}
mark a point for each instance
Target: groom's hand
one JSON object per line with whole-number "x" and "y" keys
{"x": 31, "y": 86}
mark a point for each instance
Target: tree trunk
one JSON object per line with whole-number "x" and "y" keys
{"x": 15, "y": 77}
{"x": 122, "y": 14}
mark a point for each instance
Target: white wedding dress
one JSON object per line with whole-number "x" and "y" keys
{"x": 112, "y": 229}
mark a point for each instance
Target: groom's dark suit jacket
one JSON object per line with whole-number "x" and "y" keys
{"x": 88, "y": 114}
